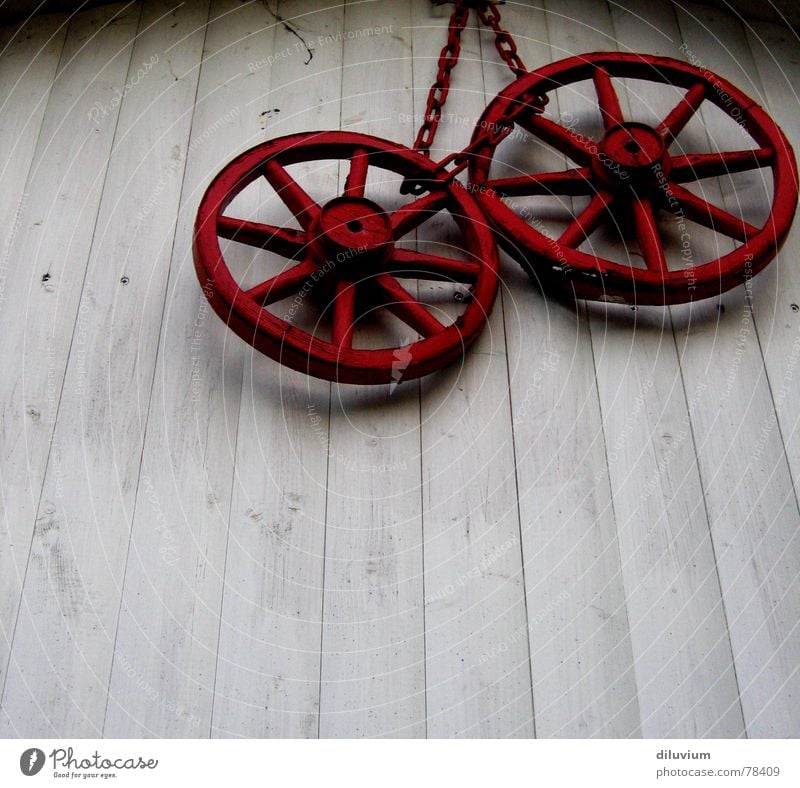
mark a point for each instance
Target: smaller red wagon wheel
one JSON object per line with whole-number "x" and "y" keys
{"x": 345, "y": 252}
{"x": 630, "y": 174}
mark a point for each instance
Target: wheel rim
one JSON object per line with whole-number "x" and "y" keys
{"x": 631, "y": 169}
{"x": 345, "y": 250}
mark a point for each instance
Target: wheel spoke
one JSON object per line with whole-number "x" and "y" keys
{"x": 281, "y": 240}
{"x": 703, "y": 212}
{"x": 587, "y": 221}
{"x": 420, "y": 265}
{"x": 567, "y": 141}
{"x": 695, "y": 166}
{"x": 683, "y": 112}
{"x": 403, "y": 305}
{"x": 357, "y": 177}
{"x": 291, "y": 193}
{"x": 648, "y": 235}
{"x": 344, "y": 314}
{"x": 575, "y": 182}
{"x": 607, "y": 98}
{"x": 284, "y": 284}
{"x": 411, "y": 216}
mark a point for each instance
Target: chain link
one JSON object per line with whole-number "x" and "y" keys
{"x": 489, "y": 137}
{"x": 489, "y": 16}
{"x": 437, "y": 96}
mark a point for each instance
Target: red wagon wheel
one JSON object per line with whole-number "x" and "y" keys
{"x": 345, "y": 251}
{"x": 629, "y": 175}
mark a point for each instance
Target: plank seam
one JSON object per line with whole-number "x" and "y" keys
{"x": 59, "y": 71}
{"x": 501, "y": 306}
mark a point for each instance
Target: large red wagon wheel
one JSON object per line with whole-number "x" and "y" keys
{"x": 629, "y": 175}
{"x": 345, "y": 252}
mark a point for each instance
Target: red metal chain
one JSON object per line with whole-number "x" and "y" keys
{"x": 441, "y": 87}
{"x": 489, "y": 16}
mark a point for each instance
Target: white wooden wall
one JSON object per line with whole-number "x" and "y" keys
{"x": 588, "y": 529}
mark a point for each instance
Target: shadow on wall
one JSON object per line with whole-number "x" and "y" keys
{"x": 781, "y": 11}
{"x": 16, "y": 10}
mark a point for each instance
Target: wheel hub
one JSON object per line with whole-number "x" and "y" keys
{"x": 631, "y": 154}
{"x": 345, "y": 255}
{"x": 352, "y": 235}
{"x": 628, "y": 185}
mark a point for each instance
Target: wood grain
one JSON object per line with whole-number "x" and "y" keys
{"x": 51, "y": 686}
{"x": 373, "y": 670}
{"x": 268, "y": 671}
{"x": 587, "y": 529}
{"x": 581, "y": 659}
{"x": 29, "y": 59}
{"x": 749, "y": 487}
{"x": 478, "y": 668}
{"x": 677, "y": 618}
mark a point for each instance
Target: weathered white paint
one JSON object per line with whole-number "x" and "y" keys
{"x": 268, "y": 669}
{"x": 580, "y": 643}
{"x": 373, "y": 658}
{"x": 776, "y": 59}
{"x": 666, "y": 561}
{"x": 588, "y": 529}
{"x": 28, "y": 65}
{"x": 68, "y": 606}
{"x": 750, "y": 494}
{"x": 478, "y": 669}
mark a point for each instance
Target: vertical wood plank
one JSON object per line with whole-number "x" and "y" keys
{"x": 679, "y": 650}
{"x": 568, "y": 479}
{"x": 684, "y": 662}
{"x": 749, "y": 491}
{"x": 268, "y": 675}
{"x": 778, "y": 290}
{"x": 29, "y": 58}
{"x": 96, "y": 449}
{"x": 169, "y": 625}
{"x": 581, "y": 658}
{"x": 373, "y": 642}
{"x": 778, "y": 287}
{"x": 57, "y": 225}
{"x": 478, "y": 668}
